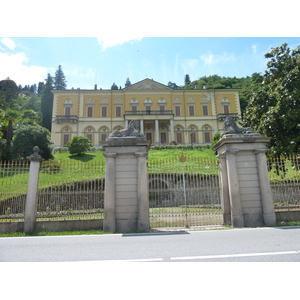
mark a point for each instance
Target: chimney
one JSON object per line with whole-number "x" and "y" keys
{"x": 95, "y": 87}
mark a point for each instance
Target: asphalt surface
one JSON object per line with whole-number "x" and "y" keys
{"x": 276, "y": 244}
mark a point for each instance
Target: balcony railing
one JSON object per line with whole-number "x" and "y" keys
{"x": 149, "y": 112}
{"x": 71, "y": 118}
{"x": 221, "y": 117}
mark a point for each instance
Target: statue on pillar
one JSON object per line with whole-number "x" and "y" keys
{"x": 133, "y": 130}
{"x": 231, "y": 128}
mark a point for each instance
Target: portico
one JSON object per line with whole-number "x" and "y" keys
{"x": 157, "y": 126}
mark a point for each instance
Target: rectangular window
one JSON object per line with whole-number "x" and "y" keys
{"x": 226, "y": 109}
{"x": 90, "y": 137}
{"x": 67, "y": 110}
{"x": 118, "y": 111}
{"x": 205, "y": 110}
{"x": 149, "y": 136}
{"x": 191, "y": 110}
{"x": 193, "y": 137}
{"x": 162, "y": 107}
{"x": 103, "y": 111}
{"x": 133, "y": 108}
{"x": 103, "y": 137}
{"x": 179, "y": 137}
{"x": 177, "y": 111}
{"x": 66, "y": 138}
{"x": 90, "y": 111}
{"x": 163, "y": 137}
{"x": 207, "y": 137}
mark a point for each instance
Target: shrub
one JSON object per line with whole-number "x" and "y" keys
{"x": 29, "y": 136}
{"x": 79, "y": 145}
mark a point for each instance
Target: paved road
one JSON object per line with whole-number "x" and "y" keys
{"x": 280, "y": 244}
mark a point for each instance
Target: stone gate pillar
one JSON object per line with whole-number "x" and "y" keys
{"x": 31, "y": 198}
{"x": 126, "y": 198}
{"x": 245, "y": 187}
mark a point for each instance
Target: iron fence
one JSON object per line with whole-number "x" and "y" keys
{"x": 13, "y": 188}
{"x": 67, "y": 190}
{"x": 284, "y": 174}
{"x": 184, "y": 192}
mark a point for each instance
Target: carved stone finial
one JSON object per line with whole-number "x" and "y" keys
{"x": 231, "y": 128}
{"x": 133, "y": 130}
{"x": 35, "y": 156}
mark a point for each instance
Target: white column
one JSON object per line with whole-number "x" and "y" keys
{"x": 31, "y": 198}
{"x": 265, "y": 188}
{"x": 172, "y": 129}
{"x": 142, "y": 191}
{"x": 156, "y": 131}
{"x": 126, "y": 123}
{"x": 142, "y": 126}
{"x": 109, "y": 222}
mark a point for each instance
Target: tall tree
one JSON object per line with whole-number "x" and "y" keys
{"x": 60, "y": 82}
{"x": 274, "y": 110}
{"x": 47, "y": 103}
{"x": 40, "y": 87}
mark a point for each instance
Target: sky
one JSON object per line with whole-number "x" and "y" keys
{"x": 107, "y": 42}
{"x": 87, "y": 61}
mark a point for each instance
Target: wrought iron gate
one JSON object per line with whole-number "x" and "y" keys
{"x": 184, "y": 192}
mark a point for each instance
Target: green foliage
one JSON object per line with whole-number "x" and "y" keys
{"x": 274, "y": 109}
{"x": 28, "y": 136}
{"x": 216, "y": 138}
{"x": 79, "y": 145}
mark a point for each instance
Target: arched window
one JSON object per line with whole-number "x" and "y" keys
{"x": 206, "y": 129}
{"x": 179, "y": 134}
{"x": 89, "y": 133}
{"x": 103, "y": 133}
{"x": 66, "y": 136}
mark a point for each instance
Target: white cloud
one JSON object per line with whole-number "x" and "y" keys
{"x": 13, "y": 66}
{"x": 111, "y": 41}
{"x": 9, "y": 43}
{"x": 212, "y": 59}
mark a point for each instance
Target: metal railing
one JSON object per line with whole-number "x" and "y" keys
{"x": 222, "y": 117}
{"x": 67, "y": 190}
{"x": 184, "y": 193}
{"x": 149, "y": 112}
{"x": 284, "y": 174}
{"x": 181, "y": 193}
{"x": 70, "y": 118}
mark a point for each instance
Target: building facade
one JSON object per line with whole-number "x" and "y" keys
{"x": 165, "y": 114}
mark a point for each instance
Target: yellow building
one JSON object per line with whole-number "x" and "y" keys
{"x": 166, "y": 114}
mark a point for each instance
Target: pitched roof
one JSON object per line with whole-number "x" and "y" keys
{"x": 147, "y": 84}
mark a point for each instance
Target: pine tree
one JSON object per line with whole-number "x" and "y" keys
{"x": 60, "y": 82}
{"x": 47, "y": 103}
